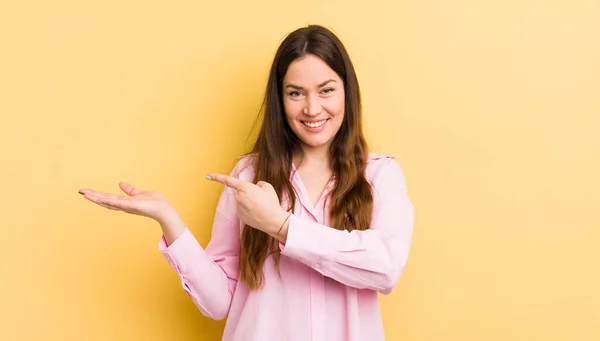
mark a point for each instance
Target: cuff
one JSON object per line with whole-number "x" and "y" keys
{"x": 184, "y": 248}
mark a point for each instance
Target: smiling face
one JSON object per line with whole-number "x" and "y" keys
{"x": 313, "y": 100}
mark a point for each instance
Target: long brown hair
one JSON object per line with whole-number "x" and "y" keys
{"x": 351, "y": 200}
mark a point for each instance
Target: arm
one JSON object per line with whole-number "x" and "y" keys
{"x": 209, "y": 277}
{"x": 371, "y": 259}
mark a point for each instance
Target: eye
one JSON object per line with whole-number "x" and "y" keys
{"x": 294, "y": 93}
{"x": 328, "y": 90}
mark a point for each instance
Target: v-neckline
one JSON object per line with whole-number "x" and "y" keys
{"x": 304, "y": 197}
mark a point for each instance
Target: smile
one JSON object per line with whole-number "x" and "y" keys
{"x": 314, "y": 124}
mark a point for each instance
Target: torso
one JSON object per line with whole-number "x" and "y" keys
{"x": 315, "y": 180}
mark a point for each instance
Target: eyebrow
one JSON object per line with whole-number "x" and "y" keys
{"x": 301, "y": 88}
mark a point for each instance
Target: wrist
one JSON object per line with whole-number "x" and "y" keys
{"x": 172, "y": 225}
{"x": 167, "y": 216}
{"x": 278, "y": 221}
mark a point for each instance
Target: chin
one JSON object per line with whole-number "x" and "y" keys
{"x": 312, "y": 143}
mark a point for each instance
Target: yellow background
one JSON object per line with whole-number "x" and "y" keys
{"x": 493, "y": 105}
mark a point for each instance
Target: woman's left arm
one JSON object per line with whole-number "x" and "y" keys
{"x": 370, "y": 259}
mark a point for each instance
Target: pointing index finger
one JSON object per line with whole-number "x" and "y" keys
{"x": 228, "y": 181}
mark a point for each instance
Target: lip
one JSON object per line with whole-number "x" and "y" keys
{"x": 314, "y": 121}
{"x": 317, "y": 129}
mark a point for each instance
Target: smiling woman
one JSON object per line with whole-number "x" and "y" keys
{"x": 311, "y": 225}
{"x": 312, "y": 105}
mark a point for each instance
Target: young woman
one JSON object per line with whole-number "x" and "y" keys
{"x": 310, "y": 226}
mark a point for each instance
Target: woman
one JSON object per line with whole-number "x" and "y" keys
{"x": 310, "y": 226}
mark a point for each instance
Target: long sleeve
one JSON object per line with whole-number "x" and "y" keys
{"x": 370, "y": 259}
{"x": 209, "y": 277}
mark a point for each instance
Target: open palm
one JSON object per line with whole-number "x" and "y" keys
{"x": 144, "y": 203}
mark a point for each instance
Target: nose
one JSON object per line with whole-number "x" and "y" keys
{"x": 313, "y": 106}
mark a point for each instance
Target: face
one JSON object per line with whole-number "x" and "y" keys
{"x": 313, "y": 100}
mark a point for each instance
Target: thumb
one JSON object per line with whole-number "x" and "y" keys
{"x": 129, "y": 189}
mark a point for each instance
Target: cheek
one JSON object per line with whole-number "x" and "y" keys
{"x": 290, "y": 109}
{"x": 337, "y": 108}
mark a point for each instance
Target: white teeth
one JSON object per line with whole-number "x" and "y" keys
{"x": 314, "y": 124}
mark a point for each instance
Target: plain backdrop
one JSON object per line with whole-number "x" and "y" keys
{"x": 493, "y": 105}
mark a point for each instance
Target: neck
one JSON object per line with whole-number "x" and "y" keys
{"x": 318, "y": 157}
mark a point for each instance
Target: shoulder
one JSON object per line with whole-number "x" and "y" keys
{"x": 384, "y": 169}
{"x": 376, "y": 162}
{"x": 245, "y": 167}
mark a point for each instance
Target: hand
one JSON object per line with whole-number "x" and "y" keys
{"x": 257, "y": 205}
{"x": 143, "y": 203}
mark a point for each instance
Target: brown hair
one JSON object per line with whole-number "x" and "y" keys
{"x": 351, "y": 199}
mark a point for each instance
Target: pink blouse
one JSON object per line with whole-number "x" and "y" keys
{"x": 330, "y": 279}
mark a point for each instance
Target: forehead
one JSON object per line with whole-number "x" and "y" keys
{"x": 309, "y": 70}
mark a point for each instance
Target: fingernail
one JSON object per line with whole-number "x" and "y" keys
{"x": 208, "y": 177}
